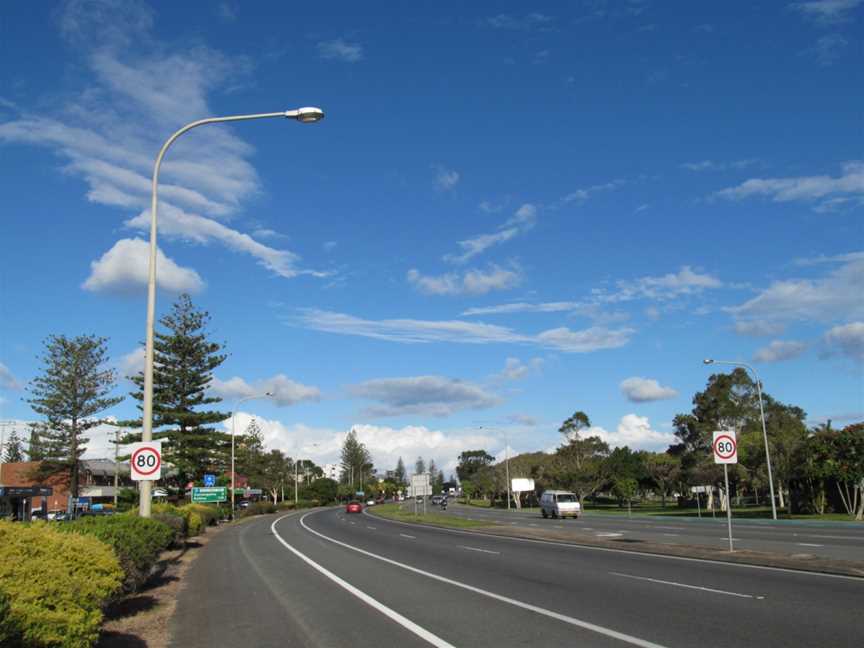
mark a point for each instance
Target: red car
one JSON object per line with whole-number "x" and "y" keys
{"x": 354, "y": 507}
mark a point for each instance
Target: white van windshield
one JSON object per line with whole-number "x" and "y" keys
{"x": 567, "y": 497}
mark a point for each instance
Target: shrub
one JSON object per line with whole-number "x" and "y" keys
{"x": 10, "y": 635}
{"x": 57, "y": 583}
{"x": 259, "y": 508}
{"x": 137, "y": 542}
{"x": 210, "y": 515}
{"x": 177, "y": 524}
{"x": 195, "y": 525}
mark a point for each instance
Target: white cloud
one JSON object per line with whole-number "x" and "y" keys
{"x": 124, "y": 269}
{"x": 423, "y": 395}
{"x": 471, "y": 282}
{"x": 523, "y": 307}
{"x": 515, "y": 369}
{"x": 669, "y": 286}
{"x": 141, "y": 89}
{"x": 340, "y": 50}
{"x": 227, "y": 11}
{"x": 523, "y": 219}
{"x": 581, "y": 195}
{"x": 7, "y": 380}
{"x": 758, "y": 328}
{"x": 529, "y": 22}
{"x": 633, "y": 431}
{"x": 411, "y": 331}
{"x": 522, "y": 419}
{"x": 826, "y": 11}
{"x": 132, "y": 363}
{"x": 644, "y": 390}
{"x": 835, "y": 297}
{"x": 834, "y": 258}
{"x": 446, "y": 179}
{"x": 847, "y": 339}
{"x": 804, "y": 188}
{"x": 285, "y": 391}
{"x": 779, "y": 350}
{"x": 711, "y": 165}
{"x": 827, "y": 49}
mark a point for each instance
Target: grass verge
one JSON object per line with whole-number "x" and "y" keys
{"x": 405, "y": 513}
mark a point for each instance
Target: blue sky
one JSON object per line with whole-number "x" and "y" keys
{"x": 510, "y": 212}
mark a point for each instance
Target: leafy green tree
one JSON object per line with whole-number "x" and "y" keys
{"x": 663, "y": 469}
{"x": 471, "y": 461}
{"x": 625, "y": 488}
{"x": 324, "y": 490}
{"x": 74, "y": 386}
{"x": 847, "y": 468}
{"x": 13, "y": 452}
{"x": 184, "y": 361}
{"x": 623, "y": 466}
{"x": 580, "y": 464}
{"x": 572, "y": 427}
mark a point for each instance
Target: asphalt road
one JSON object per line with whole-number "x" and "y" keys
{"x": 325, "y": 578}
{"x": 786, "y": 537}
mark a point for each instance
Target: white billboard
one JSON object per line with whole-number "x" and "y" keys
{"x": 521, "y": 485}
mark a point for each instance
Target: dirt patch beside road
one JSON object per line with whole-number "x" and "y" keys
{"x": 141, "y": 620}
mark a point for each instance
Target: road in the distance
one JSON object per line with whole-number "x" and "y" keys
{"x": 822, "y": 540}
{"x": 414, "y": 586}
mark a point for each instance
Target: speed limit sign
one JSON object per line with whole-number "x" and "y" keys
{"x": 725, "y": 447}
{"x": 145, "y": 462}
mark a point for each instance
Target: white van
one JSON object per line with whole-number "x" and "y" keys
{"x": 558, "y": 503}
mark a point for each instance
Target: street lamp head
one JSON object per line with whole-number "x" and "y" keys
{"x": 307, "y": 115}
{"x": 708, "y": 361}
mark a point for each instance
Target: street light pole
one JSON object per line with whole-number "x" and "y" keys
{"x": 709, "y": 361}
{"x": 303, "y": 115}
{"x": 233, "y": 414}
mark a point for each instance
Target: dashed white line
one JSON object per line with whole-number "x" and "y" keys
{"x": 371, "y": 527}
{"x": 406, "y": 623}
{"x": 608, "y": 632}
{"x": 808, "y": 544}
{"x": 671, "y": 535}
{"x": 405, "y": 535}
{"x": 608, "y": 535}
{"x": 696, "y": 587}
{"x": 497, "y": 553}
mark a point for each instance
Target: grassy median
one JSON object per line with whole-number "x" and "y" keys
{"x": 404, "y": 512}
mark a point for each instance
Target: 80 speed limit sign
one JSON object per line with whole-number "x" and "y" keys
{"x": 725, "y": 447}
{"x": 145, "y": 462}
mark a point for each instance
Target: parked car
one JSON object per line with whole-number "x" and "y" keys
{"x": 437, "y": 499}
{"x": 370, "y": 502}
{"x": 561, "y": 504}
{"x": 354, "y": 507}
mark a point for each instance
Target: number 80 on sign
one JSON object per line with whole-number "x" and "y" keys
{"x": 145, "y": 462}
{"x": 725, "y": 447}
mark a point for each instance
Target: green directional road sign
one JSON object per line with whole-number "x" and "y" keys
{"x": 210, "y": 494}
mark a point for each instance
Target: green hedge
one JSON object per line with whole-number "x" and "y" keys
{"x": 137, "y": 542}
{"x": 56, "y": 583}
{"x": 10, "y": 635}
{"x": 258, "y": 508}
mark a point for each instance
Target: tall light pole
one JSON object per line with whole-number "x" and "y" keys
{"x": 304, "y": 116}
{"x": 709, "y": 361}
{"x": 233, "y": 414}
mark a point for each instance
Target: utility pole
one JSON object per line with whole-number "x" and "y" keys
{"x": 116, "y": 464}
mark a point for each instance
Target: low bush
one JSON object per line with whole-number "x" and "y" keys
{"x": 210, "y": 515}
{"x": 259, "y": 508}
{"x": 10, "y": 635}
{"x": 176, "y": 522}
{"x": 56, "y": 584}
{"x": 137, "y": 542}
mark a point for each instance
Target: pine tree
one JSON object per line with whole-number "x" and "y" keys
{"x": 419, "y": 466}
{"x": 35, "y": 448}
{"x": 400, "y": 472}
{"x": 73, "y": 388}
{"x": 14, "y": 449}
{"x": 432, "y": 469}
{"x": 184, "y": 360}
{"x": 249, "y": 450}
{"x": 356, "y": 460}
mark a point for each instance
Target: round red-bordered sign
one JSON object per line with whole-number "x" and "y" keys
{"x": 151, "y": 470}
{"x": 720, "y": 439}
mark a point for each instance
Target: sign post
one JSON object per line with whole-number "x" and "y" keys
{"x": 725, "y": 448}
{"x": 420, "y": 486}
{"x": 145, "y": 463}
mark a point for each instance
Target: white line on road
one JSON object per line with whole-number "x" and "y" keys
{"x": 373, "y": 528}
{"x": 696, "y": 587}
{"x": 558, "y": 526}
{"x": 405, "y": 535}
{"x": 497, "y": 553}
{"x": 808, "y": 544}
{"x": 531, "y": 524}
{"x": 833, "y": 537}
{"x": 636, "y": 641}
{"x": 408, "y": 624}
{"x": 671, "y": 535}
{"x": 672, "y": 528}
{"x": 608, "y": 535}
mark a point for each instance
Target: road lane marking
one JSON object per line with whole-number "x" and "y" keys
{"x": 671, "y": 535}
{"x": 497, "y": 553}
{"x": 696, "y": 587}
{"x": 371, "y": 527}
{"x": 558, "y": 526}
{"x": 575, "y": 545}
{"x": 392, "y": 614}
{"x": 531, "y": 524}
{"x": 808, "y": 544}
{"x": 672, "y": 528}
{"x": 608, "y": 535}
{"x": 636, "y": 641}
{"x": 833, "y": 537}
{"x": 405, "y": 535}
